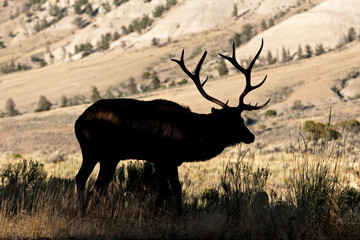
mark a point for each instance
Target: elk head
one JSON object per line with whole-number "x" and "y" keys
{"x": 229, "y": 116}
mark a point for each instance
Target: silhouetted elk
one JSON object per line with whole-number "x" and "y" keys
{"x": 161, "y": 132}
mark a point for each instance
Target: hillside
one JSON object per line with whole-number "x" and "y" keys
{"x": 324, "y": 82}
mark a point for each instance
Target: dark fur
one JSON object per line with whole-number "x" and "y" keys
{"x": 158, "y": 131}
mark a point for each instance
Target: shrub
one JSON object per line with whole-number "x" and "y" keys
{"x": 242, "y": 184}
{"x": 79, "y": 22}
{"x": 210, "y": 197}
{"x": 297, "y": 105}
{"x": 155, "y": 81}
{"x": 319, "y": 130}
{"x": 270, "y": 113}
{"x": 25, "y": 174}
{"x": 146, "y": 75}
{"x": 10, "y": 107}
{"x": 155, "y": 41}
{"x": 132, "y": 87}
{"x": 183, "y": 81}
{"x": 351, "y": 125}
{"x": 43, "y": 105}
{"x": 119, "y": 2}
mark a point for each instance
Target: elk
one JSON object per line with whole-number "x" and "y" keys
{"x": 161, "y": 132}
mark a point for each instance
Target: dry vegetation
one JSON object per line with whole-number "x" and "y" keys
{"x": 318, "y": 200}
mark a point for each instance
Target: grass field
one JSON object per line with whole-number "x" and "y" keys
{"x": 232, "y": 196}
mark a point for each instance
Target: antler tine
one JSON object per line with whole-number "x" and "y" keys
{"x": 196, "y": 78}
{"x": 247, "y": 73}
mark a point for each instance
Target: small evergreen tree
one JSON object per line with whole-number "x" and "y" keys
{"x": 263, "y": 25}
{"x": 248, "y": 32}
{"x": 271, "y": 23}
{"x": 269, "y": 58}
{"x": 300, "y": 52}
{"x": 222, "y": 69}
{"x": 285, "y": 55}
{"x": 95, "y": 94}
{"x": 351, "y": 34}
{"x": 109, "y": 94}
{"x": 235, "y": 11}
{"x": 319, "y": 49}
{"x": 235, "y": 39}
{"x": 308, "y": 51}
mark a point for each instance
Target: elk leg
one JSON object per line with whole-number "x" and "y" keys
{"x": 163, "y": 184}
{"x": 175, "y": 187}
{"x": 106, "y": 174}
{"x": 86, "y": 168}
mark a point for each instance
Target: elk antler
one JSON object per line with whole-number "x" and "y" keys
{"x": 196, "y": 78}
{"x": 247, "y": 73}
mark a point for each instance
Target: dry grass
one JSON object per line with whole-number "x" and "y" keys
{"x": 230, "y": 198}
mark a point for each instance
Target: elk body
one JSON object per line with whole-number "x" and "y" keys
{"x": 159, "y": 131}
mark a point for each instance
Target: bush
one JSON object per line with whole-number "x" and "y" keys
{"x": 183, "y": 81}
{"x": 210, "y": 197}
{"x": 297, "y": 105}
{"x": 242, "y": 184}
{"x": 319, "y": 130}
{"x": 25, "y": 174}
{"x": 43, "y": 105}
{"x": 10, "y": 107}
{"x": 351, "y": 125}
{"x": 155, "y": 41}
{"x": 270, "y": 113}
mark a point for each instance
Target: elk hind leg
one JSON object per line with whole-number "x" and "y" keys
{"x": 85, "y": 170}
{"x": 106, "y": 174}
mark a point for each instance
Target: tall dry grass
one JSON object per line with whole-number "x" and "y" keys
{"x": 319, "y": 201}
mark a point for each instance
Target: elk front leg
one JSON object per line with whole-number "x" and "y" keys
{"x": 176, "y": 187}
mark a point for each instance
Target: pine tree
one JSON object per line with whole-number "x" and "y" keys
{"x": 308, "y": 51}
{"x": 300, "y": 53}
{"x": 95, "y": 94}
{"x": 270, "y": 59}
{"x": 263, "y": 25}
{"x": 319, "y": 49}
{"x": 222, "y": 69}
{"x": 235, "y": 11}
